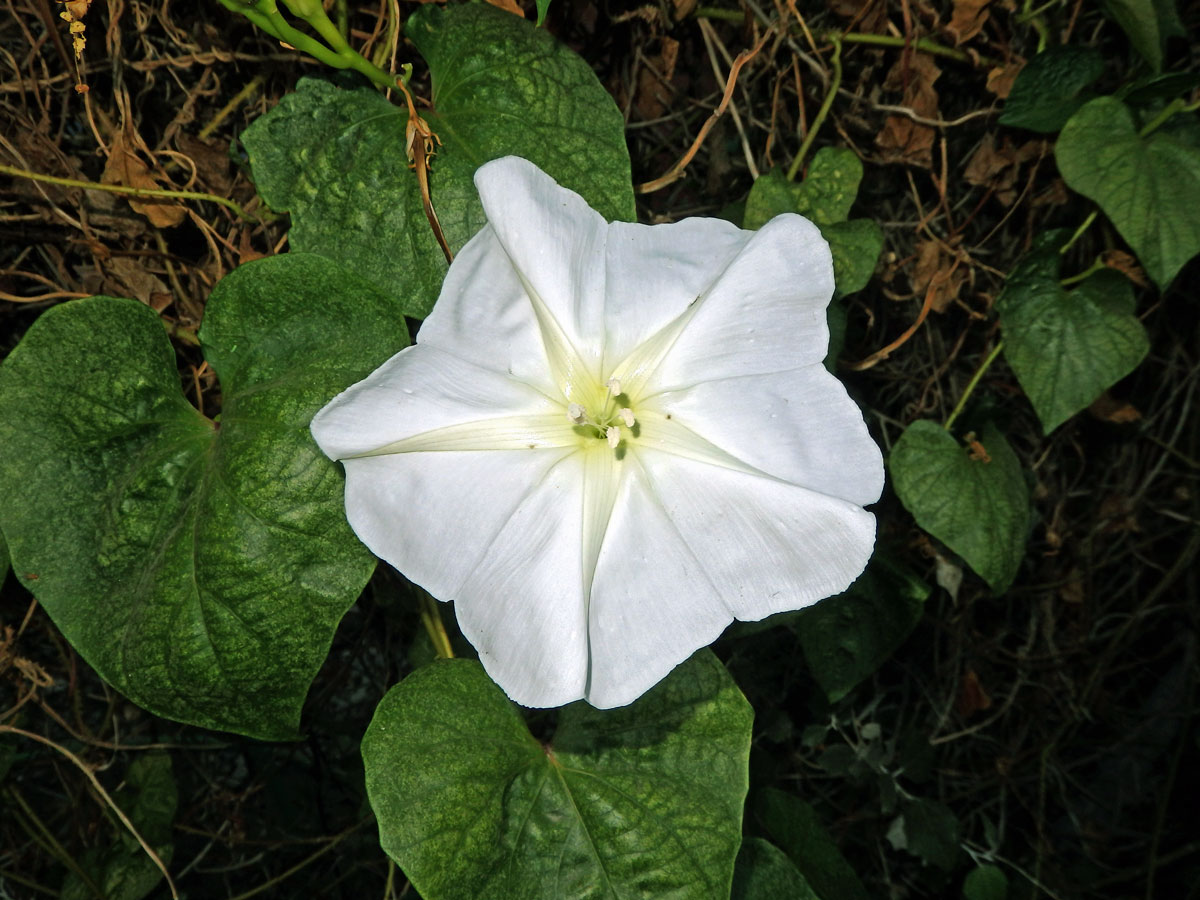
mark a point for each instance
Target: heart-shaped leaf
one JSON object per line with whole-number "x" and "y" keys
{"x": 1051, "y": 87}
{"x": 500, "y": 87}
{"x": 795, "y": 826}
{"x": 642, "y": 801}
{"x": 200, "y": 567}
{"x": 847, "y": 637}
{"x": 1148, "y": 186}
{"x": 1066, "y": 347}
{"x": 764, "y": 871}
{"x": 825, "y": 196}
{"x": 972, "y": 499}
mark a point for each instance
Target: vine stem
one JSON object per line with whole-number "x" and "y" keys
{"x": 152, "y": 193}
{"x": 925, "y": 45}
{"x": 971, "y": 385}
{"x": 835, "y": 82}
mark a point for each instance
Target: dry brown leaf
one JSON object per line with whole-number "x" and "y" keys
{"x": 1000, "y": 79}
{"x": 654, "y": 90}
{"x": 125, "y": 168}
{"x": 213, "y": 168}
{"x": 968, "y": 19}
{"x": 1108, "y": 408}
{"x": 902, "y": 139}
{"x": 1127, "y": 265}
{"x": 868, "y": 16}
{"x": 972, "y": 697}
{"x": 1072, "y": 590}
{"x": 508, "y": 6}
{"x": 130, "y": 278}
{"x": 935, "y": 270}
{"x": 999, "y": 168}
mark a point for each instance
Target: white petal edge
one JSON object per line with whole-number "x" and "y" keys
{"x": 766, "y": 312}
{"x": 723, "y": 544}
{"x": 423, "y": 389}
{"x": 799, "y": 426}
{"x": 500, "y": 533}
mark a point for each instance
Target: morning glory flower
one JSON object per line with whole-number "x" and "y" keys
{"x": 611, "y": 440}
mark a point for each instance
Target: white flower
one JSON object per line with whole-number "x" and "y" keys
{"x": 609, "y": 441}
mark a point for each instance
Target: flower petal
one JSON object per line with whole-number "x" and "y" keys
{"x": 422, "y": 390}
{"x": 555, "y": 242}
{"x": 654, "y": 272}
{"x": 500, "y": 533}
{"x": 765, "y": 313}
{"x": 483, "y": 315}
{"x": 692, "y": 546}
{"x": 799, "y": 426}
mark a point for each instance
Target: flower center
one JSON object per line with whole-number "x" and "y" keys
{"x": 609, "y": 418}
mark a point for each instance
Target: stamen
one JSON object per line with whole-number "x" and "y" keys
{"x": 613, "y": 433}
{"x": 626, "y": 416}
{"x": 576, "y": 413}
{"x": 614, "y": 387}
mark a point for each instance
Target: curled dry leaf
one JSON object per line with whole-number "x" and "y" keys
{"x": 935, "y": 269}
{"x": 998, "y": 168}
{"x": 654, "y": 88}
{"x": 510, "y": 6}
{"x": 1127, "y": 265}
{"x": 968, "y": 19}
{"x": 125, "y": 168}
{"x": 972, "y": 697}
{"x": 1108, "y": 408}
{"x": 1000, "y": 79}
{"x": 903, "y": 139}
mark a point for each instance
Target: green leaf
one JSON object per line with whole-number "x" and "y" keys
{"x": 1148, "y": 24}
{"x": 1066, "y": 347}
{"x": 543, "y": 7}
{"x": 1148, "y": 186}
{"x": 3, "y": 558}
{"x": 856, "y": 246}
{"x": 985, "y": 883}
{"x": 825, "y": 197}
{"x": 794, "y": 826}
{"x": 764, "y": 872}
{"x": 201, "y": 568}
{"x": 642, "y": 801}
{"x": 1051, "y": 87}
{"x": 501, "y": 87}
{"x": 928, "y": 830}
{"x": 121, "y": 869}
{"x": 977, "y": 507}
{"x": 847, "y": 637}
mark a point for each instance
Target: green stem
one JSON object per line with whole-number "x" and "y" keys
{"x": 925, "y": 45}
{"x": 834, "y": 83}
{"x": 1095, "y": 267}
{"x": 336, "y": 52}
{"x": 431, "y": 618}
{"x": 1079, "y": 232}
{"x": 152, "y": 194}
{"x": 724, "y": 15}
{"x": 1176, "y": 105}
{"x": 962, "y": 401}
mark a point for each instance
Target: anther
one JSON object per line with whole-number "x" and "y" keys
{"x": 614, "y": 387}
{"x": 626, "y": 416}
{"x": 613, "y": 433}
{"x": 576, "y": 413}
